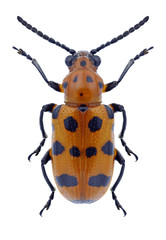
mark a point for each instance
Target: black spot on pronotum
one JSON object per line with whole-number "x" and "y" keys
{"x": 95, "y": 124}
{"x": 100, "y": 85}
{"x": 75, "y": 79}
{"x": 83, "y": 63}
{"x": 109, "y": 111}
{"x": 91, "y": 151}
{"x": 57, "y": 148}
{"x": 66, "y": 180}
{"x": 74, "y": 151}
{"x": 99, "y": 180}
{"x": 108, "y": 148}
{"x": 56, "y": 112}
{"x": 70, "y": 124}
{"x": 81, "y": 94}
{"x": 65, "y": 85}
{"x": 89, "y": 79}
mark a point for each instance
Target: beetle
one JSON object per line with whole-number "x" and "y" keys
{"x": 83, "y": 150}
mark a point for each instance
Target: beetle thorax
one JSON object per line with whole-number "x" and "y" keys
{"x": 83, "y": 85}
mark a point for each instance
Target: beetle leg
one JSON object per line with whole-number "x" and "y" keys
{"x": 44, "y": 161}
{"x": 109, "y": 86}
{"x": 121, "y": 160}
{"x": 56, "y": 86}
{"x": 120, "y": 108}
{"x": 45, "y": 108}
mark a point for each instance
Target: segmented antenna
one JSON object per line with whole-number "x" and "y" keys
{"x": 39, "y": 33}
{"x": 125, "y": 34}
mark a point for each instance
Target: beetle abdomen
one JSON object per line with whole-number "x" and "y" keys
{"x": 82, "y": 151}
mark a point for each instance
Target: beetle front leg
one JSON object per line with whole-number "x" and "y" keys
{"x": 120, "y": 108}
{"x": 45, "y": 108}
{"x": 54, "y": 85}
{"x": 112, "y": 85}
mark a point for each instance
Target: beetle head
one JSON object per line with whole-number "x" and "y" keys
{"x": 82, "y": 85}
{"x": 83, "y": 59}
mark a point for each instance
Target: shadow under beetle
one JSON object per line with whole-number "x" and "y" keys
{"x": 83, "y": 150}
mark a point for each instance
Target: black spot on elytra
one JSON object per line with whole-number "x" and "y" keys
{"x": 100, "y": 85}
{"x": 70, "y": 124}
{"x": 83, "y": 63}
{"x": 99, "y": 180}
{"x": 91, "y": 151}
{"x": 74, "y": 151}
{"x": 95, "y": 124}
{"x": 75, "y": 79}
{"x": 83, "y": 107}
{"x": 57, "y": 148}
{"x": 56, "y": 111}
{"x": 89, "y": 79}
{"x": 66, "y": 180}
{"x": 109, "y": 111}
{"x": 65, "y": 85}
{"x": 108, "y": 148}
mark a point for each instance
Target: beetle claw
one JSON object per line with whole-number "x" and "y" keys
{"x": 48, "y": 204}
{"x": 129, "y": 152}
{"x": 120, "y": 207}
{"x": 117, "y": 203}
{"x": 41, "y": 212}
{"x": 36, "y": 152}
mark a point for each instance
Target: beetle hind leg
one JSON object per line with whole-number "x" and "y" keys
{"x": 121, "y": 161}
{"x": 44, "y": 161}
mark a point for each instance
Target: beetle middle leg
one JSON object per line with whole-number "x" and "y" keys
{"x": 121, "y": 161}
{"x": 45, "y": 108}
{"x": 120, "y": 108}
{"x": 44, "y": 161}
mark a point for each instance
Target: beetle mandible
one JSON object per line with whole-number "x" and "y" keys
{"x": 83, "y": 150}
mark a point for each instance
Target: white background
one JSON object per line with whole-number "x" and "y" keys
{"x": 82, "y": 25}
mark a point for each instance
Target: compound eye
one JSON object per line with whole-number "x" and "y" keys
{"x": 97, "y": 60}
{"x": 69, "y": 60}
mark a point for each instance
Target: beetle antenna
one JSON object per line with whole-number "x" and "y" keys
{"x": 39, "y": 33}
{"x": 125, "y": 34}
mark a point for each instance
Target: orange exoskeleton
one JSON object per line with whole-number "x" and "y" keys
{"x": 83, "y": 150}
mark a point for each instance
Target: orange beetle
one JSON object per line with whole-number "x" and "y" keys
{"x": 83, "y": 150}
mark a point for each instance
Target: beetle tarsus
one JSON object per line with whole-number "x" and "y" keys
{"x": 36, "y": 152}
{"x": 48, "y": 204}
{"x": 15, "y": 48}
{"x": 118, "y": 205}
{"x": 129, "y": 152}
